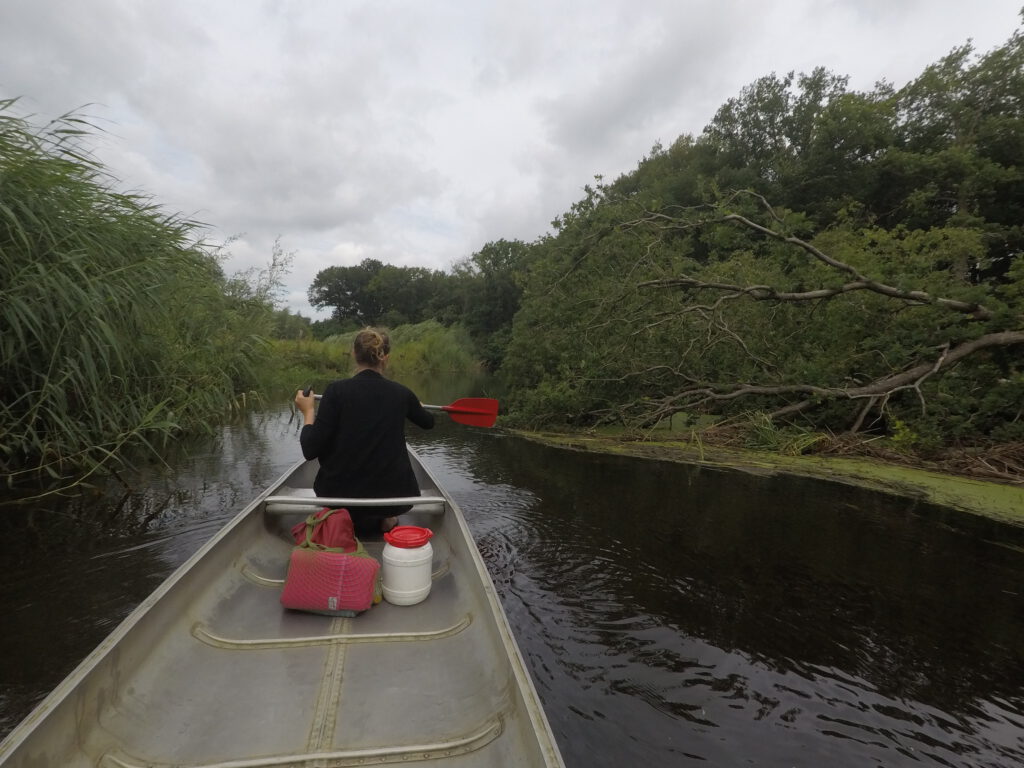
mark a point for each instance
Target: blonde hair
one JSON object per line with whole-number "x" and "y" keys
{"x": 371, "y": 346}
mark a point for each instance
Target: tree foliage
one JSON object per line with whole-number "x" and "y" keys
{"x": 374, "y": 293}
{"x": 346, "y": 291}
{"x": 488, "y": 288}
{"x": 849, "y": 260}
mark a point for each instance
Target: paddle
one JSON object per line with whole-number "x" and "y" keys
{"x": 474, "y": 411}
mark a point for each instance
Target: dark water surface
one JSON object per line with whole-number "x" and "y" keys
{"x": 669, "y": 614}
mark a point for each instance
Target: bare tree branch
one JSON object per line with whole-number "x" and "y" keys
{"x": 763, "y": 292}
{"x": 863, "y": 414}
{"x": 875, "y": 394}
{"x": 912, "y": 378}
{"x": 881, "y": 388}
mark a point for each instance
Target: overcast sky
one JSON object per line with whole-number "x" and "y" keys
{"x": 416, "y": 132}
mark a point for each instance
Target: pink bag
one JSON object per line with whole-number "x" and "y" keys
{"x": 337, "y": 581}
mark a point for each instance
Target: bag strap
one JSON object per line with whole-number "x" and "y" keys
{"x": 311, "y": 523}
{"x": 360, "y": 550}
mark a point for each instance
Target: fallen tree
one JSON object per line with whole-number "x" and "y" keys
{"x": 874, "y": 393}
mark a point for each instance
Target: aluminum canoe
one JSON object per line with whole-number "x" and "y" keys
{"x": 210, "y": 671}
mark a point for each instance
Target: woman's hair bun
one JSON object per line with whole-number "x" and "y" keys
{"x": 371, "y": 346}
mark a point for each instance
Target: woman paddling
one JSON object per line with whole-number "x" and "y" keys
{"x": 359, "y": 435}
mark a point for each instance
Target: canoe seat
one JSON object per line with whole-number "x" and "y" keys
{"x": 280, "y": 509}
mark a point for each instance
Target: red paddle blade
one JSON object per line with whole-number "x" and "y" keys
{"x": 475, "y": 411}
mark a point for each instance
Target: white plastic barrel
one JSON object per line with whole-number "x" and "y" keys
{"x": 406, "y": 574}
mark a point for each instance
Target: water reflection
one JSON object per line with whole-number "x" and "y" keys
{"x": 667, "y": 613}
{"x": 74, "y": 568}
{"x": 732, "y": 618}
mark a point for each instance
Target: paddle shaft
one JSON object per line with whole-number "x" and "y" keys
{"x": 428, "y": 407}
{"x": 475, "y": 411}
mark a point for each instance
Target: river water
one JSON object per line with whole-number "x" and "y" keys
{"x": 669, "y": 614}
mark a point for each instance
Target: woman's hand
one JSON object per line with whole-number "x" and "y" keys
{"x": 306, "y": 405}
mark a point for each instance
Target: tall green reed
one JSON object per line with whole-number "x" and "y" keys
{"x": 119, "y": 327}
{"x": 424, "y": 348}
{"x": 430, "y": 347}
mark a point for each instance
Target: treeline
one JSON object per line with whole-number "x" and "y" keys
{"x": 837, "y": 260}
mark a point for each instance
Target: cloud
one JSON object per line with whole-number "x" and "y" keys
{"x": 412, "y": 132}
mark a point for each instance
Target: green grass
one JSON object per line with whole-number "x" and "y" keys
{"x": 430, "y": 347}
{"x": 424, "y": 348}
{"x": 295, "y": 364}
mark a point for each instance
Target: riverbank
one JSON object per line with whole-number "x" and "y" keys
{"x": 999, "y": 501}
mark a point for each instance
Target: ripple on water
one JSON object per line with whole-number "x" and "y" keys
{"x": 712, "y": 643}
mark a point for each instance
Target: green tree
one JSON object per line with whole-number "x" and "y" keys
{"x": 837, "y": 258}
{"x": 346, "y": 291}
{"x": 404, "y": 294}
{"x": 291, "y": 326}
{"x": 491, "y": 288}
{"x": 374, "y": 293}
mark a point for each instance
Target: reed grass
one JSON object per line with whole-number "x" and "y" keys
{"x": 430, "y": 347}
{"x": 422, "y": 349}
{"x": 305, "y": 363}
{"x": 119, "y": 327}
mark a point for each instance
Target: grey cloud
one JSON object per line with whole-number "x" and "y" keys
{"x": 661, "y": 67}
{"x": 416, "y": 132}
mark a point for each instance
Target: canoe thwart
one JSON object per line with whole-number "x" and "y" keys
{"x": 283, "y": 505}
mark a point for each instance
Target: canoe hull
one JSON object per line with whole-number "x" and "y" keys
{"x": 210, "y": 670}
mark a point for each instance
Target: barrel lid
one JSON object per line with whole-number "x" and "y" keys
{"x": 408, "y": 536}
